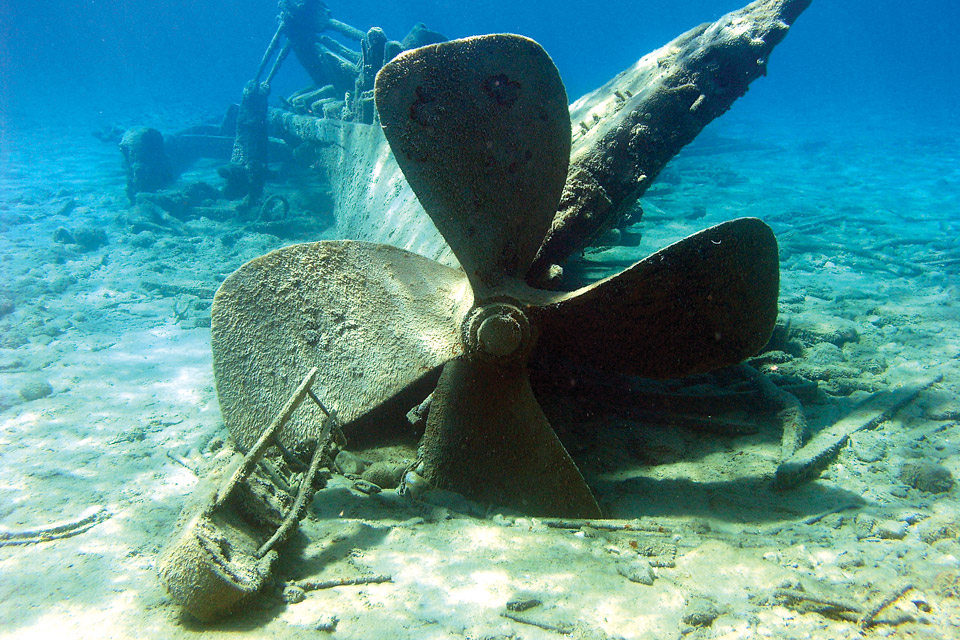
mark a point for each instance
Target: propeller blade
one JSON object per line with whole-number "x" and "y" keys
{"x": 707, "y": 301}
{"x": 377, "y": 321}
{"x": 480, "y": 128}
{"x": 487, "y": 438}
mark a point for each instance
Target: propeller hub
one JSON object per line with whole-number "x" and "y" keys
{"x": 499, "y": 331}
{"x": 499, "y": 335}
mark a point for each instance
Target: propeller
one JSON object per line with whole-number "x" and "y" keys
{"x": 481, "y": 130}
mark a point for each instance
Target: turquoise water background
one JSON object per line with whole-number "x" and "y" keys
{"x": 101, "y": 58}
{"x": 848, "y": 149}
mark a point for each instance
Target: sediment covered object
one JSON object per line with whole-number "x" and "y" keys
{"x": 623, "y": 134}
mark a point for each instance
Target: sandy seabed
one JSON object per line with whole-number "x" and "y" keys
{"x": 106, "y": 389}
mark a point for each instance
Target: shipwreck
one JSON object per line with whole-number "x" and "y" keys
{"x": 462, "y": 180}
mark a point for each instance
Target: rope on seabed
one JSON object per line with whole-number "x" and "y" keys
{"x": 93, "y": 517}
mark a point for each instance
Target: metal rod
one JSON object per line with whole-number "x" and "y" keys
{"x": 268, "y": 53}
{"x": 276, "y": 65}
{"x": 265, "y": 439}
{"x": 318, "y": 402}
{"x": 312, "y": 585}
{"x": 341, "y": 27}
{"x": 293, "y": 515}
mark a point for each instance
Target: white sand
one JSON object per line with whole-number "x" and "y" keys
{"x": 132, "y": 383}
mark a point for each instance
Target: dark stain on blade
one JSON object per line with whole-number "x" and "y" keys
{"x": 423, "y": 111}
{"x": 502, "y": 89}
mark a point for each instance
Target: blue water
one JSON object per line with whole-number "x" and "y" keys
{"x": 848, "y": 149}
{"x": 846, "y": 58}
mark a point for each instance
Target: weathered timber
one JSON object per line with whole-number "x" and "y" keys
{"x": 626, "y": 131}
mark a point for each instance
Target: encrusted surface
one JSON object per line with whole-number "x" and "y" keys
{"x": 480, "y": 128}
{"x": 374, "y": 319}
{"x": 626, "y": 131}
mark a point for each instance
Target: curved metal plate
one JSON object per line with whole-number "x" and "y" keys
{"x": 707, "y": 301}
{"x": 480, "y": 128}
{"x": 373, "y": 318}
{"x": 488, "y": 439}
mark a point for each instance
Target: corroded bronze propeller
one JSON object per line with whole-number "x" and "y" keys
{"x": 481, "y": 130}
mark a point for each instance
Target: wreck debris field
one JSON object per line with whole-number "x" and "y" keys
{"x": 807, "y": 490}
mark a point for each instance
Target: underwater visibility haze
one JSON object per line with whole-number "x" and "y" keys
{"x": 479, "y": 320}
